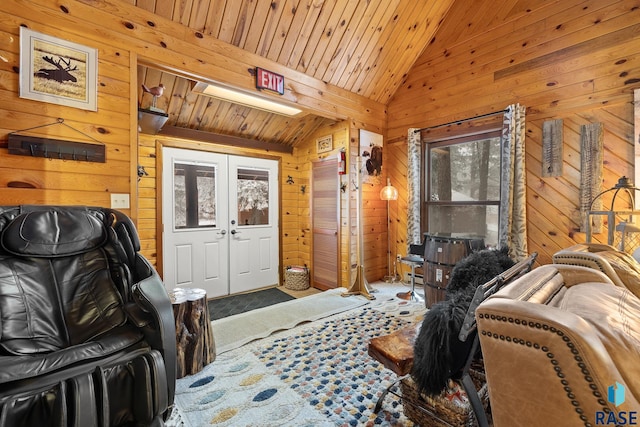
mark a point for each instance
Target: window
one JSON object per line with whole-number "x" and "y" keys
{"x": 462, "y": 187}
{"x": 195, "y": 196}
{"x": 253, "y": 197}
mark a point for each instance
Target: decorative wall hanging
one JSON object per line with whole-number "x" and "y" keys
{"x": 552, "y": 139}
{"x": 324, "y": 144}
{"x": 142, "y": 172}
{"x": 591, "y": 146}
{"x": 371, "y": 152}
{"x": 34, "y": 146}
{"x": 57, "y": 71}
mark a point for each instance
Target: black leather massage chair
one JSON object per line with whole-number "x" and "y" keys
{"x": 87, "y": 336}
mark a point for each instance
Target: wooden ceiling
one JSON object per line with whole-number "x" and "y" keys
{"x": 366, "y": 47}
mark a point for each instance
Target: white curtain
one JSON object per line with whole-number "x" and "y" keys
{"x": 413, "y": 187}
{"x": 513, "y": 198}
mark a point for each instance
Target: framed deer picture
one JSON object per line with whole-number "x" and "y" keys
{"x": 58, "y": 71}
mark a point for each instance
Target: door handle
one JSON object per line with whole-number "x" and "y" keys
{"x": 234, "y": 232}
{"x": 223, "y": 232}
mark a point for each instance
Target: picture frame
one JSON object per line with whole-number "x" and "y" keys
{"x": 324, "y": 144}
{"x": 58, "y": 71}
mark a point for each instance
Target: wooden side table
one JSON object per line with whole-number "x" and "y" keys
{"x": 194, "y": 335}
{"x": 395, "y": 352}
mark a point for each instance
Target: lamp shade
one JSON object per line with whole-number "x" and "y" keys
{"x": 389, "y": 192}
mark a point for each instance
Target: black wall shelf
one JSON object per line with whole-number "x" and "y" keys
{"x": 23, "y": 145}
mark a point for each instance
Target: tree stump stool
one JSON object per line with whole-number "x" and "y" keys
{"x": 194, "y": 336}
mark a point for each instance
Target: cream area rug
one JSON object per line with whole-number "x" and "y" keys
{"x": 234, "y": 331}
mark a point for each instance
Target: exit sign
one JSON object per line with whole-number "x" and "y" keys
{"x": 269, "y": 80}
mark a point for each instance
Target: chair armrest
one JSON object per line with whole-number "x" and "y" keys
{"x": 491, "y": 287}
{"x": 575, "y": 274}
{"x": 527, "y": 347}
{"x": 591, "y": 259}
{"x": 558, "y": 321}
{"x": 152, "y": 299}
{"x": 589, "y": 247}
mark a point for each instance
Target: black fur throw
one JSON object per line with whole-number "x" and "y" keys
{"x": 438, "y": 353}
{"x": 478, "y": 268}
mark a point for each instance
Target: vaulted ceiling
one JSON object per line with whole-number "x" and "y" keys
{"x": 366, "y": 47}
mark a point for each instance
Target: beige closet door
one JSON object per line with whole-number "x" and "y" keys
{"x": 325, "y": 215}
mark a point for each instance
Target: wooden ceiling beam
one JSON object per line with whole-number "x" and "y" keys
{"x": 234, "y": 141}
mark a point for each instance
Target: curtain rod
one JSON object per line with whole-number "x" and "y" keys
{"x": 461, "y": 121}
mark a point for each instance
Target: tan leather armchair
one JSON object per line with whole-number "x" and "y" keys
{"x": 554, "y": 342}
{"x": 619, "y": 266}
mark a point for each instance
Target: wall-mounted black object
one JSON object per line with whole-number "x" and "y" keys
{"x": 34, "y": 146}
{"x": 142, "y": 172}
{"x": 55, "y": 149}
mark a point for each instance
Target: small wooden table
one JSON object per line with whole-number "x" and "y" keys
{"x": 195, "y": 346}
{"x": 395, "y": 352}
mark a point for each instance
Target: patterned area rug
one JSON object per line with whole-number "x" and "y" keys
{"x": 318, "y": 374}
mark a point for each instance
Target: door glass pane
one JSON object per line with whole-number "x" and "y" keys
{"x": 253, "y": 197}
{"x": 194, "y": 195}
{"x": 206, "y": 185}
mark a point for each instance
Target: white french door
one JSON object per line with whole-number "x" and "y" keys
{"x": 253, "y": 214}
{"x": 220, "y": 215}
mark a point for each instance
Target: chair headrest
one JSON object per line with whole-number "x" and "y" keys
{"x": 54, "y": 232}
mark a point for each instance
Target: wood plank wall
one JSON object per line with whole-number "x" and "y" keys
{"x": 305, "y": 154}
{"x": 295, "y": 235}
{"x": 29, "y": 180}
{"x": 125, "y": 35}
{"x": 574, "y": 60}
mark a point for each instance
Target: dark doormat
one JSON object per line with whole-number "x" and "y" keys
{"x": 236, "y": 304}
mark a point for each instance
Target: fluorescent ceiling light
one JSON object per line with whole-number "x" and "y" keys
{"x": 244, "y": 98}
